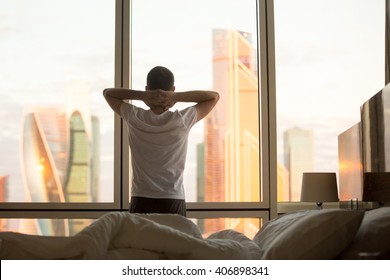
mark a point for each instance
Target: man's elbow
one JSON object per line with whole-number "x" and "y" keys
{"x": 216, "y": 96}
{"x": 106, "y": 92}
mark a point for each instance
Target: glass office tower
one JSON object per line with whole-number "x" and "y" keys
{"x": 298, "y": 158}
{"x": 60, "y": 159}
{"x": 232, "y": 128}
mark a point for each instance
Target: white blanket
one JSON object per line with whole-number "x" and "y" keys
{"x": 121, "y": 235}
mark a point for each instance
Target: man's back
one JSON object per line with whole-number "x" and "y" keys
{"x": 158, "y": 144}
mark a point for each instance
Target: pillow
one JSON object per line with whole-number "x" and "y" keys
{"x": 373, "y": 237}
{"x": 304, "y": 235}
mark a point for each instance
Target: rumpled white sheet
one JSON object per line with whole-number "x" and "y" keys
{"x": 121, "y": 235}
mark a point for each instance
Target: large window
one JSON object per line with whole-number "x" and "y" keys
{"x": 56, "y": 130}
{"x": 329, "y": 60}
{"x": 209, "y": 45}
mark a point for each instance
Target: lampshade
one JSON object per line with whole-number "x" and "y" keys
{"x": 319, "y": 187}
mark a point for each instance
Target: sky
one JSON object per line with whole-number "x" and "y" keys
{"x": 329, "y": 60}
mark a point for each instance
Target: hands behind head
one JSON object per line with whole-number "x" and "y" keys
{"x": 159, "y": 99}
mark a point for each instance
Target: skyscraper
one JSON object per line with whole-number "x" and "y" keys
{"x": 44, "y": 158}
{"x": 283, "y": 182}
{"x": 298, "y": 157}
{"x": 60, "y": 158}
{"x": 4, "y": 184}
{"x": 4, "y": 191}
{"x": 232, "y": 128}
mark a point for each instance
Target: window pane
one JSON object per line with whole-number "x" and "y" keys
{"x": 209, "y": 45}
{"x": 45, "y": 227}
{"x": 248, "y": 226}
{"x": 56, "y": 130}
{"x": 329, "y": 60}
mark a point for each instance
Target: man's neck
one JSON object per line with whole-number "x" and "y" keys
{"x": 157, "y": 110}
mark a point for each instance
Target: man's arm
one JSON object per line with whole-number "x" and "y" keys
{"x": 116, "y": 96}
{"x": 206, "y": 100}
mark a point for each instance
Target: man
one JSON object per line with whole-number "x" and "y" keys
{"x": 158, "y": 139}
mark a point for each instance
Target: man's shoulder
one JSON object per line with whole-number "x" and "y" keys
{"x": 130, "y": 107}
{"x": 188, "y": 110}
{"x": 128, "y": 110}
{"x": 189, "y": 115}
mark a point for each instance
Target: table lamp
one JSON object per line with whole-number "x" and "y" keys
{"x": 319, "y": 187}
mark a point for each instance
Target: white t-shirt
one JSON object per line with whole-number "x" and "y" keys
{"x": 158, "y": 145}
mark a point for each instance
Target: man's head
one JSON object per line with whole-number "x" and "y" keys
{"x": 160, "y": 78}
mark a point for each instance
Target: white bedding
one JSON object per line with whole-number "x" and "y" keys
{"x": 121, "y": 235}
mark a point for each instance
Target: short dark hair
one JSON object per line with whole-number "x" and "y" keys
{"x": 160, "y": 77}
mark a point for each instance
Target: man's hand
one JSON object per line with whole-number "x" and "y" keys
{"x": 159, "y": 98}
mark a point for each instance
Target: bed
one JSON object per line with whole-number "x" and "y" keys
{"x": 310, "y": 234}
